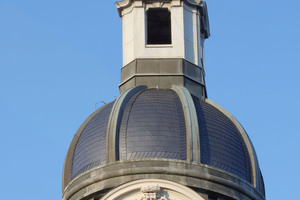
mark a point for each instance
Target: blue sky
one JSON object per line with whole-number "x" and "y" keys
{"x": 57, "y": 58}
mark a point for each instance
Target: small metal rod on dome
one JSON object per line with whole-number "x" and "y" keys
{"x": 99, "y": 102}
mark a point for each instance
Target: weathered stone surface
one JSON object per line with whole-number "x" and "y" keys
{"x": 198, "y": 176}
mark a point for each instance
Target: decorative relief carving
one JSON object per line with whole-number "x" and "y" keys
{"x": 154, "y": 192}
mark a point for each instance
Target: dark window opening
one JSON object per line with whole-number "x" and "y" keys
{"x": 158, "y": 26}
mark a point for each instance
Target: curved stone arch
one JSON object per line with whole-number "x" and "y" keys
{"x": 245, "y": 137}
{"x": 154, "y": 189}
{"x": 68, "y": 160}
{"x": 191, "y": 123}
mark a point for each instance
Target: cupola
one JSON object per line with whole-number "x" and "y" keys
{"x": 163, "y": 44}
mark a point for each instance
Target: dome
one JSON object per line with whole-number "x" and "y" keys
{"x": 162, "y": 138}
{"x": 163, "y": 125}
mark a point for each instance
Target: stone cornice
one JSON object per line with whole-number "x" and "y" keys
{"x": 127, "y": 3}
{"x": 122, "y": 5}
{"x": 195, "y": 175}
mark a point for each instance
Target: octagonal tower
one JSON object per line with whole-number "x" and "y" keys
{"x": 162, "y": 139}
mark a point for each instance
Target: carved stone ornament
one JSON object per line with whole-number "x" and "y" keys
{"x": 153, "y": 192}
{"x": 152, "y": 189}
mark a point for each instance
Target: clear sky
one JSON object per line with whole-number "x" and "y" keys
{"x": 57, "y": 58}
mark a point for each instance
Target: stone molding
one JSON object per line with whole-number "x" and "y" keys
{"x": 199, "y": 176}
{"x": 192, "y": 127}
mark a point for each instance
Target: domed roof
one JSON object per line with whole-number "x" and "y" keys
{"x": 154, "y": 123}
{"x": 90, "y": 148}
{"x": 153, "y": 126}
